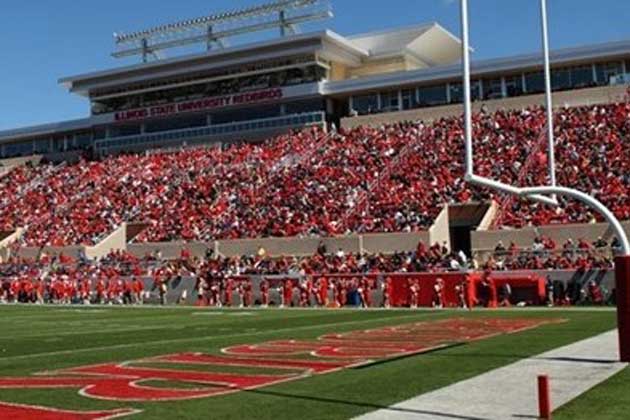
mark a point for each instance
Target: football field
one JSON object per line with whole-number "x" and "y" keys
{"x": 193, "y": 363}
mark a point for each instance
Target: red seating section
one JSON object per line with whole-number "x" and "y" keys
{"x": 394, "y": 178}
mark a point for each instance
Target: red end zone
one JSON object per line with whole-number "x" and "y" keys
{"x": 301, "y": 358}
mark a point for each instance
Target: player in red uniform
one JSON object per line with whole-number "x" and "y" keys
{"x": 414, "y": 292}
{"x": 14, "y": 290}
{"x": 461, "y": 291}
{"x": 127, "y": 292}
{"x": 387, "y": 292}
{"x": 322, "y": 291}
{"x": 100, "y": 291}
{"x": 84, "y": 291}
{"x": 240, "y": 289}
{"x": 342, "y": 293}
{"x": 365, "y": 292}
{"x": 438, "y": 293}
{"x": 247, "y": 293}
{"x": 264, "y": 293}
{"x": 595, "y": 293}
{"x": 287, "y": 293}
{"x": 229, "y": 290}
{"x": 304, "y": 293}
{"x": 138, "y": 290}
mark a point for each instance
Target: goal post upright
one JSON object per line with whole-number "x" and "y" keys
{"x": 551, "y": 155}
{"x": 547, "y": 194}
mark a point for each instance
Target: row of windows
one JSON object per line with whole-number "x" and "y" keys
{"x": 488, "y": 88}
{"x": 47, "y": 145}
{"x": 278, "y": 78}
{"x": 157, "y": 139}
{"x": 234, "y": 70}
{"x": 83, "y": 140}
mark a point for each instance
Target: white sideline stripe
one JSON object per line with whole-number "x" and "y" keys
{"x": 510, "y": 392}
{"x": 101, "y": 331}
{"x": 214, "y": 337}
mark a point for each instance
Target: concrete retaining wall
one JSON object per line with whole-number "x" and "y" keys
{"x": 115, "y": 241}
{"x": 524, "y": 238}
{"x": 374, "y": 243}
{"x": 169, "y": 250}
{"x": 6, "y": 239}
{"x": 440, "y": 231}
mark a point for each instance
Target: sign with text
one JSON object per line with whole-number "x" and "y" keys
{"x": 198, "y": 105}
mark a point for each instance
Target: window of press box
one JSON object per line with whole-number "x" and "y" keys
{"x": 389, "y": 101}
{"x": 99, "y": 134}
{"x": 432, "y": 95}
{"x": 409, "y": 99}
{"x": 59, "y": 144}
{"x": 18, "y": 149}
{"x": 246, "y": 114}
{"x": 492, "y": 88}
{"x": 514, "y": 85}
{"x": 560, "y": 79}
{"x": 582, "y": 76}
{"x": 124, "y": 130}
{"x": 456, "y": 92}
{"x": 303, "y": 106}
{"x": 365, "y": 104}
{"x": 82, "y": 140}
{"x": 535, "y": 82}
{"x": 41, "y": 146}
{"x": 176, "y": 124}
{"x": 605, "y": 71}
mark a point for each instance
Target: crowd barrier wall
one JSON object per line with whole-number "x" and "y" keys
{"x": 527, "y": 286}
{"x": 484, "y": 240}
{"x": 386, "y": 243}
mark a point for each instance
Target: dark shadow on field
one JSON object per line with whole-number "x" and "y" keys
{"x": 362, "y": 404}
{"x": 577, "y": 360}
{"x": 517, "y": 357}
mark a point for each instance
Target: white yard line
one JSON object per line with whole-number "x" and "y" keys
{"x": 510, "y": 392}
{"x": 388, "y": 321}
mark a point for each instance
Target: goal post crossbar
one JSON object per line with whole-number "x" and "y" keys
{"x": 543, "y": 194}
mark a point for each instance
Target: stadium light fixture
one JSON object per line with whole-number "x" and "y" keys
{"x": 283, "y": 14}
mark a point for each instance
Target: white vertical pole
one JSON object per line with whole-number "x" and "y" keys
{"x": 548, "y": 100}
{"x": 466, "y": 87}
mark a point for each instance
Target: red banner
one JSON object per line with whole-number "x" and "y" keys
{"x": 200, "y": 104}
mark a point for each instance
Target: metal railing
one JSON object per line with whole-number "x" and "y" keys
{"x": 183, "y": 135}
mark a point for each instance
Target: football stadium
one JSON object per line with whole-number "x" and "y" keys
{"x": 322, "y": 225}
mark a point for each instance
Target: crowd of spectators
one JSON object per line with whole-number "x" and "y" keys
{"x": 393, "y": 178}
{"x": 122, "y": 277}
{"x": 544, "y": 254}
{"x": 592, "y": 155}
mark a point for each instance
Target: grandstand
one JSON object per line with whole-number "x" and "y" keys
{"x": 230, "y": 150}
{"x": 313, "y": 170}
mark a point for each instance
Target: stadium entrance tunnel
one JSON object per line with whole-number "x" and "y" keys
{"x": 463, "y": 219}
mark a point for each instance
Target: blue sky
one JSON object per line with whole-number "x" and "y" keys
{"x": 42, "y": 41}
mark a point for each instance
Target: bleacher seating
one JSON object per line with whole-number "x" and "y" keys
{"x": 393, "y": 178}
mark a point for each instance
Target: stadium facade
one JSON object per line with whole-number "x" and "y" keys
{"x": 255, "y": 90}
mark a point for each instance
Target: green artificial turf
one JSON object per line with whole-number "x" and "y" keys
{"x": 36, "y": 339}
{"x": 609, "y": 400}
